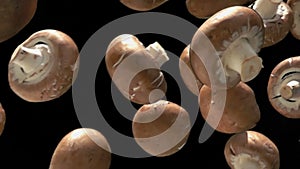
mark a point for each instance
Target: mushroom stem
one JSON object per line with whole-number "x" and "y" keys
{"x": 291, "y": 90}
{"x": 158, "y": 53}
{"x": 245, "y": 161}
{"x": 266, "y": 8}
{"x": 242, "y": 58}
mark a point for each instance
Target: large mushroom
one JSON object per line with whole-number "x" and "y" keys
{"x": 284, "y": 87}
{"x": 278, "y": 19}
{"x": 2, "y": 119}
{"x": 232, "y": 36}
{"x": 142, "y": 5}
{"x": 295, "y": 29}
{"x": 251, "y": 150}
{"x": 44, "y": 66}
{"x": 135, "y": 69}
{"x": 241, "y": 111}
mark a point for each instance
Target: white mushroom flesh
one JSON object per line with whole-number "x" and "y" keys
{"x": 266, "y": 8}
{"x": 246, "y": 161}
{"x": 158, "y": 53}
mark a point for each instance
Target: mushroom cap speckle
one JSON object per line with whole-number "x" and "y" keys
{"x": 142, "y": 5}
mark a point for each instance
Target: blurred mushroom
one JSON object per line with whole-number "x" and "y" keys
{"x": 251, "y": 150}
{"x": 161, "y": 128}
{"x": 43, "y": 67}
{"x": 277, "y": 17}
{"x": 236, "y": 36}
{"x": 284, "y": 87}
{"x": 142, "y": 5}
{"x": 203, "y": 9}
{"x": 2, "y": 119}
{"x": 135, "y": 70}
{"x": 82, "y": 148}
{"x": 14, "y": 16}
{"x": 241, "y": 111}
{"x": 295, "y": 29}
{"x": 186, "y": 72}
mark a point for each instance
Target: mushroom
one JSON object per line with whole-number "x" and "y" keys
{"x": 232, "y": 36}
{"x": 203, "y": 9}
{"x": 2, "y": 119}
{"x": 14, "y": 16}
{"x": 295, "y": 29}
{"x": 284, "y": 87}
{"x": 277, "y": 17}
{"x": 82, "y": 148}
{"x": 135, "y": 70}
{"x": 186, "y": 72}
{"x": 241, "y": 111}
{"x": 142, "y": 5}
{"x": 161, "y": 128}
{"x": 44, "y": 66}
{"x": 251, "y": 150}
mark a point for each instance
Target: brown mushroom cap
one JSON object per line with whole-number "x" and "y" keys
{"x": 44, "y": 66}
{"x": 2, "y": 119}
{"x": 142, "y": 5}
{"x": 283, "y": 94}
{"x": 135, "y": 69}
{"x": 295, "y": 28}
{"x": 14, "y": 16}
{"x": 205, "y": 8}
{"x": 251, "y": 149}
{"x": 82, "y": 148}
{"x": 241, "y": 111}
{"x": 161, "y": 128}
{"x": 236, "y": 36}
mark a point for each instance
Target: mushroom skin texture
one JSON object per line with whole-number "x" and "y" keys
{"x": 284, "y": 89}
{"x": 127, "y": 60}
{"x": 14, "y": 16}
{"x": 236, "y": 34}
{"x": 142, "y": 5}
{"x": 203, "y": 9}
{"x": 2, "y": 119}
{"x": 44, "y": 66}
{"x": 241, "y": 111}
{"x": 82, "y": 148}
{"x": 295, "y": 29}
{"x": 278, "y": 19}
{"x": 251, "y": 150}
{"x": 186, "y": 72}
{"x": 161, "y": 128}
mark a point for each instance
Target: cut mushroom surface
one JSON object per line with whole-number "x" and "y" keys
{"x": 284, "y": 89}
{"x": 2, "y": 119}
{"x": 142, "y": 5}
{"x": 44, "y": 66}
{"x": 295, "y": 6}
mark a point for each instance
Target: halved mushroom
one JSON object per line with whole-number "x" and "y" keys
{"x": 161, "y": 128}
{"x": 44, "y": 66}
{"x": 142, "y": 5}
{"x": 251, "y": 150}
{"x": 233, "y": 36}
{"x": 278, "y": 19}
{"x": 82, "y": 148}
{"x": 241, "y": 111}
{"x": 135, "y": 69}
{"x": 284, "y": 87}
{"x": 2, "y": 119}
{"x": 203, "y": 9}
{"x": 14, "y": 16}
{"x": 295, "y": 29}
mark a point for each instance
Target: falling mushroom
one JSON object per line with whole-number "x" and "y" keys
{"x": 142, "y": 5}
{"x": 2, "y": 119}
{"x": 295, "y": 29}
{"x": 284, "y": 87}
{"x": 44, "y": 66}
{"x": 251, "y": 150}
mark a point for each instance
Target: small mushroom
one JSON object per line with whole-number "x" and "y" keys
{"x": 295, "y": 29}
{"x": 82, "y": 148}
{"x": 135, "y": 70}
{"x": 186, "y": 72}
{"x": 251, "y": 150}
{"x": 161, "y": 128}
{"x": 142, "y": 5}
{"x": 278, "y": 19}
{"x": 203, "y": 9}
{"x": 284, "y": 87}
{"x": 233, "y": 36}
{"x": 14, "y": 16}
{"x": 241, "y": 111}
{"x": 44, "y": 66}
{"x": 2, "y": 119}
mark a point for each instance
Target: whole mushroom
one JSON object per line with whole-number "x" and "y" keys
{"x": 2, "y": 119}
{"x": 142, "y": 5}
{"x": 44, "y": 66}
{"x": 295, "y": 29}
{"x": 251, "y": 150}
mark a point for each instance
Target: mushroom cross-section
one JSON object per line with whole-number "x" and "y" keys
{"x": 142, "y": 5}
{"x": 295, "y": 6}
{"x": 236, "y": 35}
{"x": 2, "y": 119}
{"x": 284, "y": 87}
{"x": 44, "y": 66}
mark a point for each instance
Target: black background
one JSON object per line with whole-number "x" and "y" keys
{"x": 33, "y": 130}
